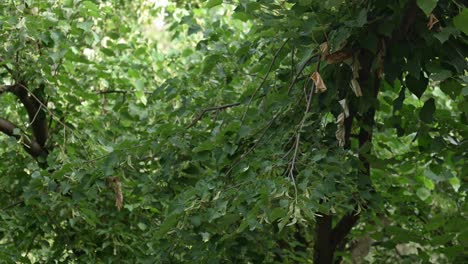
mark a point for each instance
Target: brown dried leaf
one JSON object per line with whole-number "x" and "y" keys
{"x": 337, "y": 57}
{"x": 340, "y": 130}
{"x": 344, "y": 105}
{"x": 117, "y": 188}
{"x": 319, "y": 84}
{"x": 324, "y": 48}
{"x": 432, "y": 21}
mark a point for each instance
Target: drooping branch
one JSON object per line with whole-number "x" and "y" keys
{"x": 264, "y": 77}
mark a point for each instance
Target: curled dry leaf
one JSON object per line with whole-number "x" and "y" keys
{"x": 356, "y": 87}
{"x": 340, "y": 130}
{"x": 319, "y": 84}
{"x": 324, "y": 48}
{"x": 432, "y": 21}
{"x": 344, "y": 105}
{"x": 116, "y": 186}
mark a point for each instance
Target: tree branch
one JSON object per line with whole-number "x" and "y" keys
{"x": 209, "y": 109}
{"x": 344, "y": 226}
{"x": 35, "y": 146}
{"x": 264, "y": 78}
{"x": 119, "y": 92}
{"x": 31, "y": 146}
{"x": 37, "y": 117}
{"x": 297, "y": 77}
{"x": 323, "y": 252}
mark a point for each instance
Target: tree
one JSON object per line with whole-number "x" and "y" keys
{"x": 266, "y": 131}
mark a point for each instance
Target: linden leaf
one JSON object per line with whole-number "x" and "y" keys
{"x": 427, "y": 5}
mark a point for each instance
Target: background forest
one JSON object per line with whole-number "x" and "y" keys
{"x": 239, "y": 131}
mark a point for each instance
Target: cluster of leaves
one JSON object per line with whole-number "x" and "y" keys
{"x": 203, "y": 130}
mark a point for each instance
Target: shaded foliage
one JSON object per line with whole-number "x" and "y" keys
{"x": 244, "y": 131}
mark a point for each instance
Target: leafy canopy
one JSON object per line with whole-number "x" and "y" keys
{"x": 211, "y": 131}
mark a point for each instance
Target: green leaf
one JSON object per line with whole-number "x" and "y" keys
{"x": 142, "y": 226}
{"x": 426, "y": 114}
{"x": 361, "y": 19}
{"x": 168, "y": 223}
{"x": 86, "y": 26}
{"x": 213, "y": 3}
{"x": 451, "y": 87}
{"x": 445, "y": 34}
{"x": 441, "y": 75}
{"x": 140, "y": 95}
{"x": 108, "y": 52}
{"x": 244, "y": 131}
{"x": 92, "y": 8}
{"x": 427, "y": 5}
{"x": 461, "y": 21}
{"x": 423, "y": 193}
{"x": 89, "y": 216}
{"x": 415, "y": 85}
{"x": 242, "y": 16}
{"x": 139, "y": 84}
{"x": 338, "y": 38}
{"x": 455, "y": 182}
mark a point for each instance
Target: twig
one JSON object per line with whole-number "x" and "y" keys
{"x": 111, "y": 91}
{"x": 300, "y": 72}
{"x": 119, "y": 92}
{"x": 209, "y": 109}
{"x": 235, "y": 163}
{"x": 264, "y": 79}
{"x": 298, "y": 137}
{"x": 11, "y": 205}
{"x": 35, "y": 116}
{"x": 292, "y": 62}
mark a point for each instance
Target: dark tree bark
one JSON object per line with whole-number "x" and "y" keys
{"x": 32, "y": 147}
{"x": 33, "y": 103}
{"x": 327, "y": 237}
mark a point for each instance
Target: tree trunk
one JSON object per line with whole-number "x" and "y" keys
{"x": 327, "y": 237}
{"x": 323, "y": 248}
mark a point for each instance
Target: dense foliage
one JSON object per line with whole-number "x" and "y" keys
{"x": 233, "y": 131}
